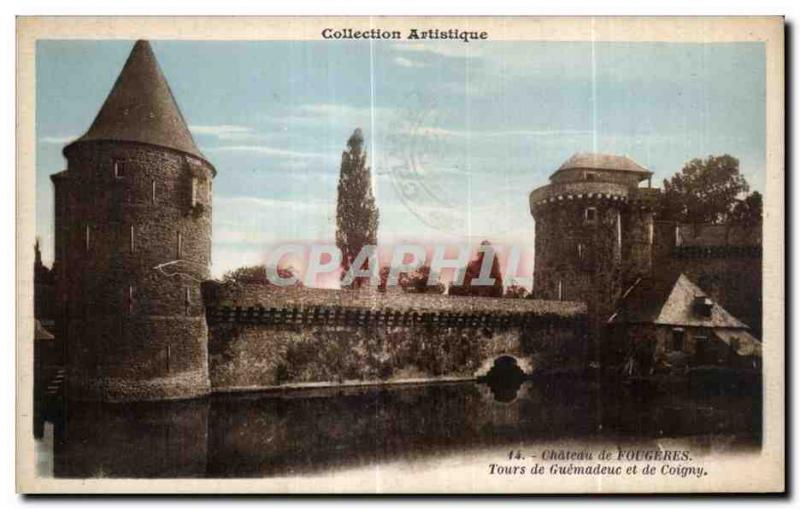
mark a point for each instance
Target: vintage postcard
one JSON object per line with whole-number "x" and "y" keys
{"x": 400, "y": 255}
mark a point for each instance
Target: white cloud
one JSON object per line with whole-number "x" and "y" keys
{"x": 57, "y": 140}
{"x": 227, "y": 258}
{"x": 317, "y": 114}
{"x": 248, "y": 223}
{"x": 541, "y": 132}
{"x": 241, "y": 238}
{"x": 324, "y": 113}
{"x": 271, "y": 151}
{"x": 434, "y": 132}
{"x": 225, "y": 131}
{"x": 407, "y": 62}
{"x": 445, "y": 49}
{"x": 255, "y": 204}
{"x": 329, "y": 109}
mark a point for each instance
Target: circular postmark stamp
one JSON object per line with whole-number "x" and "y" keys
{"x": 430, "y": 165}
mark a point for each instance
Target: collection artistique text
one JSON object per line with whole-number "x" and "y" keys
{"x": 413, "y": 34}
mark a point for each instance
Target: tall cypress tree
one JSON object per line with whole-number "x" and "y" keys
{"x": 356, "y": 213}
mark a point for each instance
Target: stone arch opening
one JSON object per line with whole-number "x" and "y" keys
{"x": 504, "y": 378}
{"x": 524, "y": 363}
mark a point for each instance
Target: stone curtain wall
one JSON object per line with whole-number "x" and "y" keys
{"x": 262, "y": 336}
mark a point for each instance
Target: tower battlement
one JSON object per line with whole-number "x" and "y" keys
{"x": 573, "y": 191}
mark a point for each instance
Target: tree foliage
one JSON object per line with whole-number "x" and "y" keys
{"x": 356, "y": 212}
{"x": 516, "y": 291}
{"x": 708, "y": 191}
{"x": 472, "y": 272}
{"x": 257, "y": 274}
{"x": 415, "y": 282}
{"x": 748, "y": 211}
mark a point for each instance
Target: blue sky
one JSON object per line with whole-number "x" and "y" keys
{"x": 458, "y": 134}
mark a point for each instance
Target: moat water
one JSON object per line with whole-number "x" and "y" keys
{"x": 313, "y": 431}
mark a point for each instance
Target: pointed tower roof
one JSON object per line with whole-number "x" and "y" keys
{"x": 141, "y": 108}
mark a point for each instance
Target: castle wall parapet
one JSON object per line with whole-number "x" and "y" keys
{"x": 258, "y": 303}
{"x": 263, "y": 337}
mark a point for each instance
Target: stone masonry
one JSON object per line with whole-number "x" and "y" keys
{"x": 133, "y": 243}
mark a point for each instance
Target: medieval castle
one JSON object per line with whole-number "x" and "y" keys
{"x": 136, "y": 317}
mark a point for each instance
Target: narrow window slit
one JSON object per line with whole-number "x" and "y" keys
{"x": 194, "y": 192}
{"x": 119, "y": 168}
{"x": 130, "y": 298}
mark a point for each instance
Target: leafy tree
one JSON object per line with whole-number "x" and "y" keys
{"x": 356, "y": 212}
{"x": 516, "y": 291}
{"x": 384, "y": 276}
{"x": 415, "y": 282}
{"x": 257, "y": 274}
{"x": 704, "y": 191}
{"x": 472, "y": 272}
{"x": 748, "y": 211}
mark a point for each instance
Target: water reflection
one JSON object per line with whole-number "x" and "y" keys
{"x": 259, "y": 435}
{"x": 164, "y": 439}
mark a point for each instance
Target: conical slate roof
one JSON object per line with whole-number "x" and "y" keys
{"x": 141, "y": 108}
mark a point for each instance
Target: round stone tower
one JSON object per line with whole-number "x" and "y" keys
{"x": 133, "y": 243}
{"x": 593, "y": 233}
